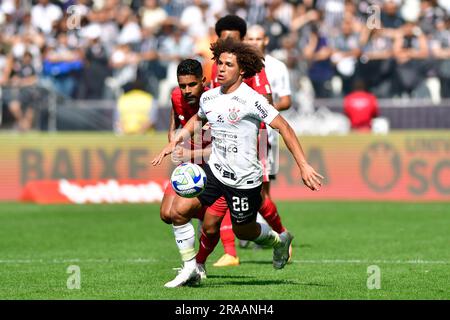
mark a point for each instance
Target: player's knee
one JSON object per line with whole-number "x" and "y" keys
{"x": 164, "y": 214}
{"x": 178, "y": 216}
{"x": 210, "y": 230}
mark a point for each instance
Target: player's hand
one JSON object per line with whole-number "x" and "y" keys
{"x": 181, "y": 154}
{"x": 166, "y": 151}
{"x": 311, "y": 178}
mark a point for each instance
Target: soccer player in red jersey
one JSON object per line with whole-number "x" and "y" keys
{"x": 185, "y": 104}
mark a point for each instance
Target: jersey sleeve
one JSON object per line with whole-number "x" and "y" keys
{"x": 173, "y": 100}
{"x": 263, "y": 110}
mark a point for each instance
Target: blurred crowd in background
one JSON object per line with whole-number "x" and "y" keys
{"x": 94, "y": 49}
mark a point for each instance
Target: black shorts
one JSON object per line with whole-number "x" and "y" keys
{"x": 243, "y": 203}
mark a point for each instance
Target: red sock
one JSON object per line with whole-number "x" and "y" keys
{"x": 269, "y": 212}
{"x": 207, "y": 245}
{"x": 227, "y": 235}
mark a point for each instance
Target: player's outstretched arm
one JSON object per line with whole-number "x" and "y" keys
{"x": 310, "y": 177}
{"x": 185, "y": 133}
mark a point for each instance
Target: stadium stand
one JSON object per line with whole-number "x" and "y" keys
{"x": 85, "y": 51}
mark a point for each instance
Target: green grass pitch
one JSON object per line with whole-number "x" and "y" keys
{"x": 126, "y": 252}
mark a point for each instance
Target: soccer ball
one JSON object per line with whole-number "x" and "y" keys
{"x": 188, "y": 180}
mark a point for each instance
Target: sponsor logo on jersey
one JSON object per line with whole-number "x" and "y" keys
{"x": 220, "y": 118}
{"x": 262, "y": 111}
{"x": 233, "y": 116}
{"x": 241, "y": 101}
{"x": 226, "y": 174}
{"x": 209, "y": 98}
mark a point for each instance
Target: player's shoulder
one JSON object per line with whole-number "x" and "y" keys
{"x": 176, "y": 94}
{"x": 274, "y": 62}
{"x": 209, "y": 94}
{"x": 249, "y": 92}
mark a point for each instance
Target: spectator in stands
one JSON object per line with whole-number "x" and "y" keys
{"x": 150, "y": 70}
{"x": 44, "y": 15}
{"x": 23, "y": 95}
{"x": 196, "y": 20}
{"x": 318, "y": 52}
{"x": 283, "y": 11}
{"x": 333, "y": 14}
{"x": 390, "y": 16}
{"x": 346, "y": 52}
{"x": 275, "y": 29}
{"x": 130, "y": 31}
{"x": 174, "y": 48}
{"x": 411, "y": 52}
{"x": 361, "y": 107}
{"x": 440, "y": 48}
{"x": 96, "y": 68}
{"x": 62, "y": 64}
{"x": 124, "y": 63}
{"x": 430, "y": 14}
{"x": 377, "y": 64}
{"x": 136, "y": 110}
{"x": 152, "y": 15}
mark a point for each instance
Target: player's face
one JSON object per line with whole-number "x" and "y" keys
{"x": 228, "y": 69}
{"x": 233, "y": 34}
{"x": 191, "y": 88}
{"x": 257, "y": 39}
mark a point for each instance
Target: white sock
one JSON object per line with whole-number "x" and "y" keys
{"x": 260, "y": 219}
{"x": 185, "y": 239}
{"x": 267, "y": 237}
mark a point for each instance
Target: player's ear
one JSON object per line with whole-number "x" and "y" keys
{"x": 266, "y": 41}
{"x": 203, "y": 80}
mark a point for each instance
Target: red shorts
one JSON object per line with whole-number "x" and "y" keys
{"x": 218, "y": 208}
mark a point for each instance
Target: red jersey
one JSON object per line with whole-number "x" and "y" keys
{"x": 258, "y": 82}
{"x": 360, "y": 107}
{"x": 183, "y": 111}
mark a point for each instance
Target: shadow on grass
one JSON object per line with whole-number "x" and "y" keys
{"x": 263, "y": 282}
{"x": 228, "y": 277}
{"x": 256, "y": 262}
{"x": 303, "y": 245}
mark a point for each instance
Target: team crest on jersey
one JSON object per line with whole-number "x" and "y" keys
{"x": 233, "y": 116}
{"x": 181, "y": 117}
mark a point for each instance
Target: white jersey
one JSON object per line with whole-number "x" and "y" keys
{"x": 278, "y": 77}
{"x": 235, "y": 120}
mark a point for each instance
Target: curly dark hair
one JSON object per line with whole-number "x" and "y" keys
{"x": 249, "y": 59}
{"x": 190, "y": 67}
{"x": 231, "y": 23}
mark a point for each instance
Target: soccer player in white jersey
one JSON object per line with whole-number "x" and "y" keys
{"x": 234, "y": 112}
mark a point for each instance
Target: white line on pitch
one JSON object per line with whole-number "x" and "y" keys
{"x": 147, "y": 260}
{"x": 356, "y": 261}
